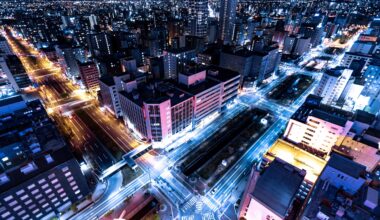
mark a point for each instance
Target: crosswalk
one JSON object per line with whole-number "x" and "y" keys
{"x": 208, "y": 216}
{"x": 189, "y": 217}
{"x": 199, "y": 207}
{"x": 189, "y": 203}
{"x": 210, "y": 204}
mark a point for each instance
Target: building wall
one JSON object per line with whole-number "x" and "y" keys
{"x": 182, "y": 116}
{"x": 239, "y": 64}
{"x": 316, "y": 133}
{"x": 4, "y": 47}
{"x": 159, "y": 124}
{"x": 199, "y": 15}
{"x": 192, "y": 79}
{"x": 133, "y": 116}
{"x": 227, "y": 19}
{"x": 18, "y": 80}
{"x": 90, "y": 76}
{"x": 107, "y": 93}
{"x": 302, "y": 46}
{"x": 331, "y": 87}
{"x": 258, "y": 211}
{"x": 340, "y": 179}
{"x": 47, "y": 193}
{"x": 230, "y": 90}
{"x": 206, "y": 103}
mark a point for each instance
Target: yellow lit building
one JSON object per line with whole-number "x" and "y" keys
{"x": 298, "y": 158}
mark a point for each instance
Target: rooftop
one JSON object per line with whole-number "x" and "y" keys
{"x": 312, "y": 106}
{"x": 278, "y": 186}
{"x": 199, "y": 88}
{"x": 364, "y": 117}
{"x": 298, "y": 158}
{"x": 373, "y": 132}
{"x": 346, "y": 165}
{"x": 328, "y": 117}
{"x": 223, "y": 75}
{"x": 108, "y": 80}
{"x": 26, "y": 132}
{"x": 150, "y": 93}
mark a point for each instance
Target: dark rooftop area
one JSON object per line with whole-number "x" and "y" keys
{"x": 346, "y": 165}
{"x": 277, "y": 186}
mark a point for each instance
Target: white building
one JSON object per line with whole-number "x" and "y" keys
{"x": 318, "y": 129}
{"x": 332, "y": 84}
{"x": 109, "y": 90}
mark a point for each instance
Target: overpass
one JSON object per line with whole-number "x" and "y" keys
{"x": 127, "y": 159}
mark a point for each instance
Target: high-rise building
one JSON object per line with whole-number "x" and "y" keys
{"x": 314, "y": 31}
{"x": 110, "y": 86}
{"x": 371, "y": 88}
{"x": 257, "y": 65}
{"x": 198, "y": 21}
{"x": 4, "y": 47}
{"x": 12, "y": 67}
{"x": 175, "y": 60}
{"x": 68, "y": 58}
{"x": 100, "y": 44}
{"x": 332, "y": 84}
{"x": 39, "y": 177}
{"x": 89, "y": 75}
{"x": 227, "y": 15}
{"x": 93, "y": 21}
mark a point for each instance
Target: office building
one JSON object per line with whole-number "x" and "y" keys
{"x": 156, "y": 111}
{"x": 350, "y": 57}
{"x": 313, "y": 31}
{"x": 198, "y": 21}
{"x": 227, "y": 15}
{"x": 317, "y": 127}
{"x": 89, "y": 75}
{"x": 257, "y": 65}
{"x": 39, "y": 177}
{"x": 265, "y": 63}
{"x": 206, "y": 93}
{"x": 12, "y": 67}
{"x": 332, "y": 84}
{"x": 93, "y": 21}
{"x": 229, "y": 81}
{"x": 110, "y": 86}
{"x": 100, "y": 44}
{"x": 175, "y": 60}
{"x": 5, "y": 49}
{"x": 68, "y": 58}
{"x": 296, "y": 45}
{"x": 371, "y": 91}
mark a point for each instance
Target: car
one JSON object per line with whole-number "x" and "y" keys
{"x": 213, "y": 191}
